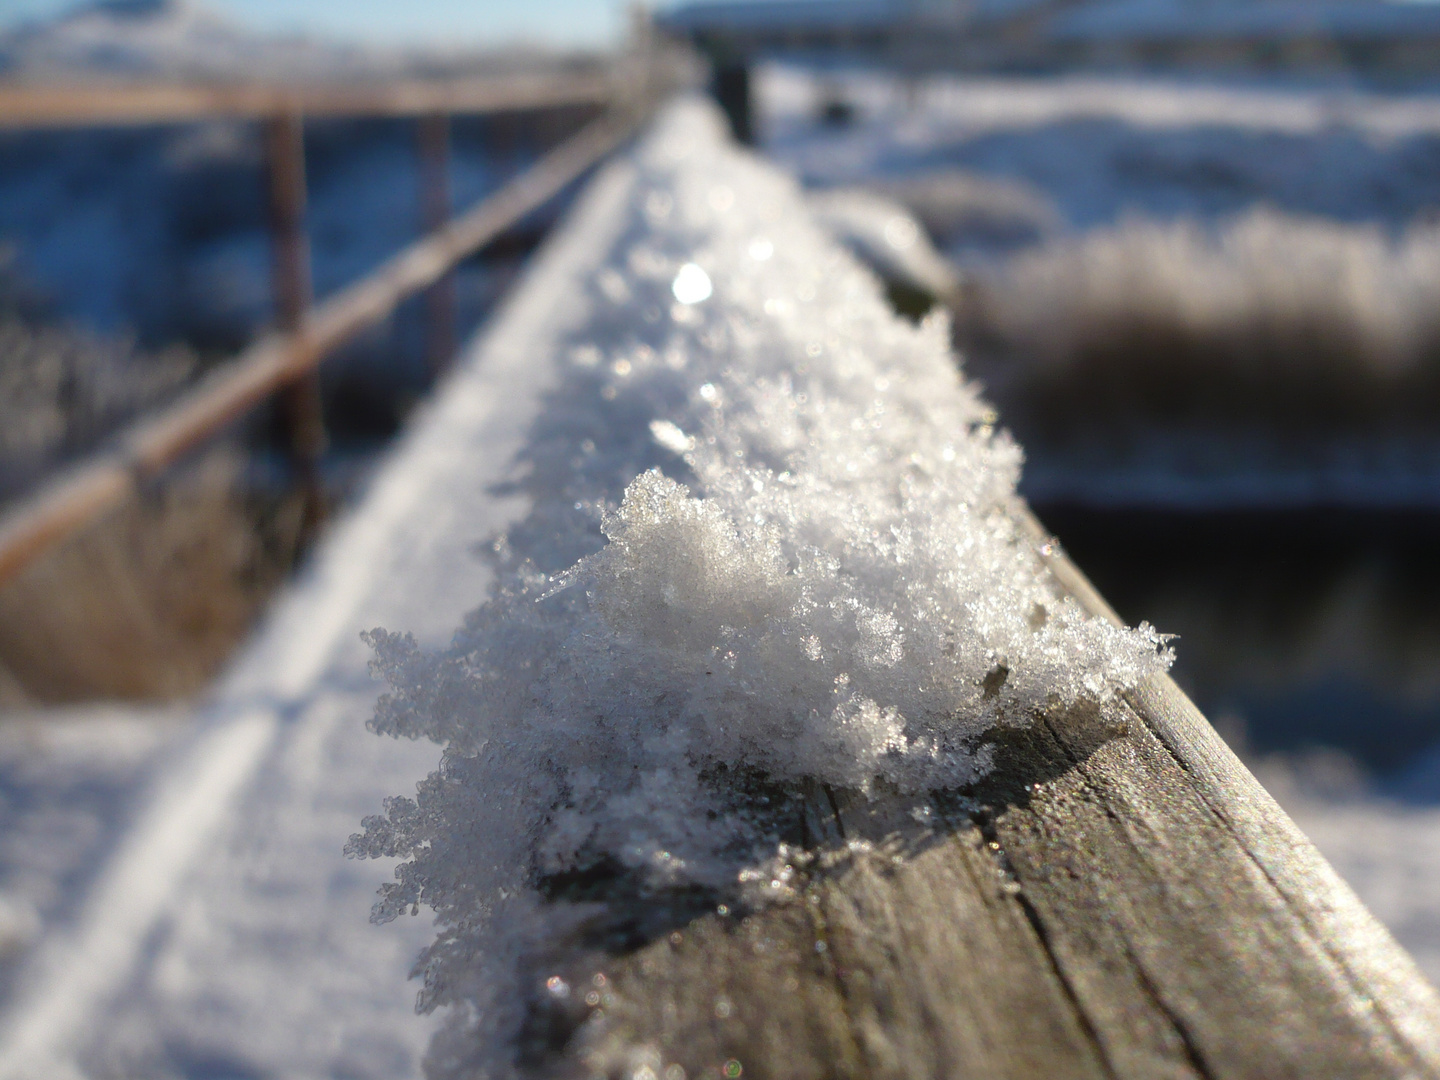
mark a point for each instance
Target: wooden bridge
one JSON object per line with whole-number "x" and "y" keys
{"x": 1113, "y": 900}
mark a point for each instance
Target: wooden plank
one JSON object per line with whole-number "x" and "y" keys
{"x": 73, "y": 499}
{"x": 36, "y": 105}
{"x": 87, "y": 490}
{"x": 1378, "y": 970}
{"x": 1118, "y": 898}
{"x": 290, "y": 263}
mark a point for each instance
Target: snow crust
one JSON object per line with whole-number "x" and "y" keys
{"x": 772, "y": 535}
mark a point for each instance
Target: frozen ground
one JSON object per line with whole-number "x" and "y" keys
{"x": 69, "y": 779}
{"x": 1322, "y": 200}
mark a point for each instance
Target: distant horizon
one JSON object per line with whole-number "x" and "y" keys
{"x": 418, "y": 23}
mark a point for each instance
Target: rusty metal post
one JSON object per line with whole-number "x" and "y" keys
{"x": 78, "y": 495}
{"x": 434, "y": 146}
{"x": 292, "y": 291}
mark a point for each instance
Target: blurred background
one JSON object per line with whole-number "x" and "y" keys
{"x": 1191, "y": 248}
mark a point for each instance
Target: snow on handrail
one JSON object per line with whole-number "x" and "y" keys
{"x": 787, "y": 744}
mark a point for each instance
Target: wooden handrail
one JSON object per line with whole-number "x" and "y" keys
{"x": 1118, "y": 899}
{"x": 85, "y": 491}
{"x": 39, "y": 105}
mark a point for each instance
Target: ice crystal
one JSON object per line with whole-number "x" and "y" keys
{"x": 771, "y": 544}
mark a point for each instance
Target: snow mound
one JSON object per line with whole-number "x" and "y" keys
{"x": 772, "y": 546}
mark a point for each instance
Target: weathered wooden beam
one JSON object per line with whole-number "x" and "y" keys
{"x": 87, "y": 490}
{"x": 38, "y": 105}
{"x": 1118, "y": 898}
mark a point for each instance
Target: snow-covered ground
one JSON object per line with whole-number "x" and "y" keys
{"x": 69, "y": 778}
{"x": 1100, "y": 148}
{"x": 1174, "y": 236}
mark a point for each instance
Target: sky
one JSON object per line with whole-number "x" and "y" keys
{"x": 451, "y": 22}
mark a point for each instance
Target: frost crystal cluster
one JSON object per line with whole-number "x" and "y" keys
{"x": 771, "y": 537}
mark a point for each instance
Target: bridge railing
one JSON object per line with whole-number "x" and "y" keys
{"x": 284, "y": 360}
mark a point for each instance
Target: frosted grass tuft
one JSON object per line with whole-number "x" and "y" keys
{"x": 772, "y": 545}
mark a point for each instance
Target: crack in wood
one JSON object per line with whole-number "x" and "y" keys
{"x": 1187, "y": 1040}
{"x": 1303, "y": 912}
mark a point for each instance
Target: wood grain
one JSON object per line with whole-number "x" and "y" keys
{"x": 1118, "y": 898}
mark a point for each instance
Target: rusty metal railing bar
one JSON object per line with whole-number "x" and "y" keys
{"x": 85, "y": 491}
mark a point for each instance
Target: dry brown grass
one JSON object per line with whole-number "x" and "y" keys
{"x": 149, "y": 602}
{"x": 64, "y": 390}
{"x": 1270, "y": 319}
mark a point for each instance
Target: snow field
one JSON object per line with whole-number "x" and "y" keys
{"x": 1100, "y": 149}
